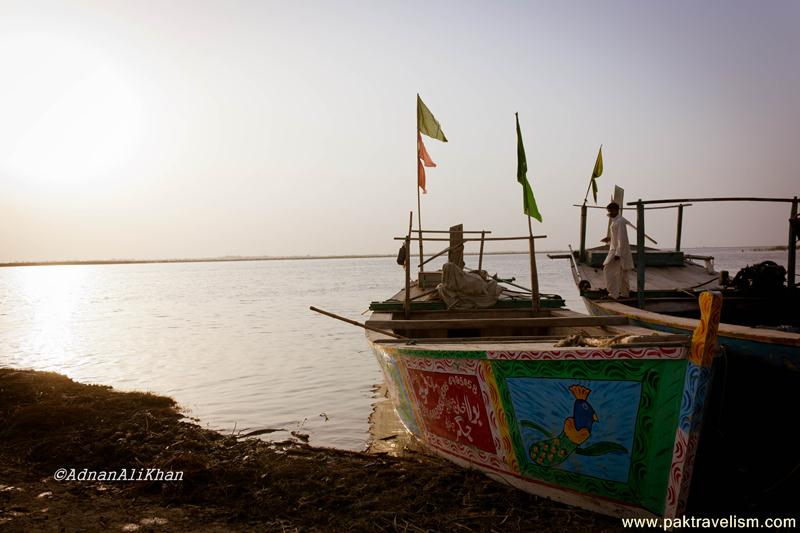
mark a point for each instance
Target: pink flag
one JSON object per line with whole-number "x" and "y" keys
{"x": 424, "y": 159}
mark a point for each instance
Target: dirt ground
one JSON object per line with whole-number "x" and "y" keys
{"x": 48, "y": 422}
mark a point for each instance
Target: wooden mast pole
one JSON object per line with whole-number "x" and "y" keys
{"x": 582, "y": 250}
{"x": 480, "y": 255}
{"x": 589, "y": 187}
{"x": 792, "y": 249}
{"x": 680, "y": 229}
{"x": 407, "y": 268}
{"x": 419, "y": 225}
{"x": 640, "y": 254}
{"x": 419, "y": 203}
{"x": 534, "y": 274}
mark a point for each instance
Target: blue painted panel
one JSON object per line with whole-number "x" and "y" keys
{"x": 548, "y": 403}
{"x": 695, "y": 393}
{"x": 782, "y": 356}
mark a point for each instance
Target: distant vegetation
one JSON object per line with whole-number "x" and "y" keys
{"x": 770, "y": 248}
{"x": 296, "y": 257}
{"x": 212, "y": 259}
{"x": 185, "y": 260}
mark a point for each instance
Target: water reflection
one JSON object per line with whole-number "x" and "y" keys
{"x": 49, "y": 300}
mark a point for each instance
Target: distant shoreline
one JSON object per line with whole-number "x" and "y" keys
{"x": 218, "y": 259}
{"x": 89, "y": 262}
{"x": 189, "y": 260}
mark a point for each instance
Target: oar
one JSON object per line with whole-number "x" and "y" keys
{"x": 359, "y": 324}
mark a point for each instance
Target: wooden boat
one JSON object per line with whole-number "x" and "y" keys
{"x": 756, "y": 380}
{"x": 610, "y": 424}
{"x": 760, "y": 316}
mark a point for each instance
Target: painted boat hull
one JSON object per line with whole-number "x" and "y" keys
{"x": 494, "y": 409}
{"x": 669, "y": 314}
{"x": 777, "y": 348}
{"x": 753, "y": 396}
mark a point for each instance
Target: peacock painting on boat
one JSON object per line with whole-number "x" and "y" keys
{"x": 581, "y": 427}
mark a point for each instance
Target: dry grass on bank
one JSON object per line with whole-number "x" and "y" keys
{"x": 48, "y": 422}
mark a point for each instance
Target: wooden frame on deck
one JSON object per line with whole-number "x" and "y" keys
{"x": 791, "y": 260}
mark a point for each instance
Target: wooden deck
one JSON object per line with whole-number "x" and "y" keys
{"x": 550, "y": 326}
{"x": 657, "y": 278}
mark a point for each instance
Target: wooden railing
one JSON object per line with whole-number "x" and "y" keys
{"x": 584, "y": 212}
{"x": 460, "y": 245}
{"x": 682, "y": 202}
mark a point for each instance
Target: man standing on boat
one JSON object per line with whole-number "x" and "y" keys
{"x": 619, "y": 259}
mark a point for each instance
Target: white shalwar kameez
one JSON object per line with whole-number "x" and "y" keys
{"x": 616, "y": 270}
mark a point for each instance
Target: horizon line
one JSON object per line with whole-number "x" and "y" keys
{"x": 236, "y": 258}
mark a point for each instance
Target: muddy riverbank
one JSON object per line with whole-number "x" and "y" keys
{"x": 48, "y": 422}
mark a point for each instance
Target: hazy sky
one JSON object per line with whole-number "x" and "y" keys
{"x": 192, "y": 129}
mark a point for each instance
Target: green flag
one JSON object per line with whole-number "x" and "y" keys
{"x": 528, "y": 201}
{"x": 427, "y": 124}
{"x": 597, "y": 172}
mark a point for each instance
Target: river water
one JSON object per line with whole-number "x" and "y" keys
{"x": 235, "y": 343}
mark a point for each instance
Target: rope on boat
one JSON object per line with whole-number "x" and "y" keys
{"x": 704, "y": 283}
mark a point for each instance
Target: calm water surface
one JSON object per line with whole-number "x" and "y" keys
{"x": 234, "y": 343}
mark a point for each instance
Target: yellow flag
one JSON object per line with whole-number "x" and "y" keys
{"x": 427, "y": 124}
{"x": 597, "y": 172}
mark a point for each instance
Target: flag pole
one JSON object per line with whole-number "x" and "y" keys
{"x": 419, "y": 203}
{"x": 419, "y": 223}
{"x": 588, "y": 188}
{"x": 591, "y": 179}
{"x": 529, "y": 207}
{"x": 534, "y": 273}
{"x": 427, "y": 124}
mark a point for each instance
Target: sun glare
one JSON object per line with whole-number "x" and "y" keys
{"x": 50, "y": 297}
{"x": 83, "y": 122}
